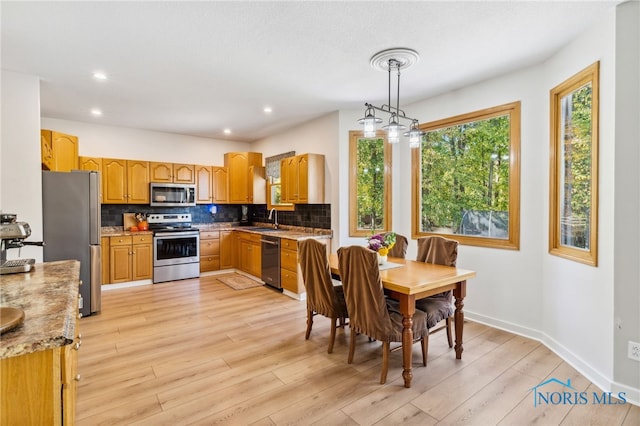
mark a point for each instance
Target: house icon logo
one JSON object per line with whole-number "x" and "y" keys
{"x": 537, "y": 392}
{"x": 557, "y": 392}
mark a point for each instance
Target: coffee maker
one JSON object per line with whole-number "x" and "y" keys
{"x": 12, "y": 235}
{"x": 244, "y": 217}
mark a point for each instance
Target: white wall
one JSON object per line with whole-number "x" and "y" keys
{"x": 627, "y": 196}
{"x": 97, "y": 140}
{"x": 577, "y": 311}
{"x": 319, "y": 136}
{"x": 20, "y": 182}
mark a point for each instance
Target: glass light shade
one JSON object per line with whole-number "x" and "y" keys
{"x": 369, "y": 123}
{"x": 415, "y": 135}
{"x": 393, "y": 130}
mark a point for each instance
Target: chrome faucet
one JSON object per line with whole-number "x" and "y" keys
{"x": 275, "y": 223}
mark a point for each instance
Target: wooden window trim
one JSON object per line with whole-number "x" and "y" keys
{"x": 589, "y": 257}
{"x": 354, "y": 135}
{"x": 511, "y": 243}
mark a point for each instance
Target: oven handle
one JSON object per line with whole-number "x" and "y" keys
{"x": 177, "y": 234}
{"x": 273, "y": 243}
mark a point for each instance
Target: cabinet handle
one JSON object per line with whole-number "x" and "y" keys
{"x": 77, "y": 345}
{"x": 77, "y": 378}
{"x": 79, "y": 335}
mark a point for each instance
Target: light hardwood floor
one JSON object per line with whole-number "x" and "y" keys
{"x": 199, "y": 352}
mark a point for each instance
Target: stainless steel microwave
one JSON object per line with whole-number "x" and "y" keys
{"x": 172, "y": 194}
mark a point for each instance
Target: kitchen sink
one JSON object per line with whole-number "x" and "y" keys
{"x": 264, "y": 229}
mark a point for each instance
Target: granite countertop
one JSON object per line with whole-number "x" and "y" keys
{"x": 48, "y": 295}
{"x": 284, "y": 231}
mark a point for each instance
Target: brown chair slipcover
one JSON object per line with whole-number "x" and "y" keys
{"x": 322, "y": 296}
{"x": 440, "y": 251}
{"x": 370, "y": 313}
{"x": 399, "y": 249}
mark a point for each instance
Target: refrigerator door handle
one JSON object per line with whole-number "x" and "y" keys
{"x": 96, "y": 278}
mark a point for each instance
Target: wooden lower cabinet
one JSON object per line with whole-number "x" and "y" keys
{"x": 130, "y": 258}
{"x": 40, "y": 388}
{"x": 209, "y": 251}
{"x": 104, "y": 247}
{"x": 290, "y": 276}
{"x": 227, "y": 249}
{"x": 250, "y": 254}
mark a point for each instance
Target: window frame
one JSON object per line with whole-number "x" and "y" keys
{"x": 512, "y": 109}
{"x": 590, "y": 74}
{"x": 354, "y": 137}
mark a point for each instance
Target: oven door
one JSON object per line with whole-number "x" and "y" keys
{"x": 175, "y": 248}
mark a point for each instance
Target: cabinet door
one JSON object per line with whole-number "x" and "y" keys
{"x": 138, "y": 182}
{"x": 160, "y": 172}
{"x": 238, "y": 165}
{"x": 226, "y": 249}
{"x": 142, "y": 261}
{"x": 65, "y": 152}
{"x": 120, "y": 263}
{"x": 291, "y": 184}
{"x": 256, "y": 260}
{"x": 220, "y": 184}
{"x": 302, "y": 170}
{"x": 245, "y": 255}
{"x": 184, "y": 173}
{"x": 92, "y": 163}
{"x": 114, "y": 181}
{"x": 203, "y": 185}
{"x": 46, "y": 150}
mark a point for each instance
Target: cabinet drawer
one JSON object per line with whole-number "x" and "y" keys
{"x": 142, "y": 239}
{"x": 289, "y": 280}
{"x": 288, "y": 244}
{"x": 208, "y": 235}
{"x": 289, "y": 259}
{"x": 120, "y": 241}
{"x": 209, "y": 247}
{"x": 209, "y": 263}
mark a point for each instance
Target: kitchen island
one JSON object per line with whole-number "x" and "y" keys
{"x": 38, "y": 359}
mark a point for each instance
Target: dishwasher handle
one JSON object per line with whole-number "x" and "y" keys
{"x": 273, "y": 243}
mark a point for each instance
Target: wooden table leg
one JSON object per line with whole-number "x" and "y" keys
{"x": 459, "y": 293}
{"x": 407, "y": 308}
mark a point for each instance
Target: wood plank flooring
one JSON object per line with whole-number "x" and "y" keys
{"x": 198, "y": 352}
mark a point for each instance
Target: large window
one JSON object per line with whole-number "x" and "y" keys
{"x": 369, "y": 184}
{"x": 466, "y": 178}
{"x": 573, "y": 221}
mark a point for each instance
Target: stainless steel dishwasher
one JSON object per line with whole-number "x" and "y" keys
{"x": 271, "y": 260}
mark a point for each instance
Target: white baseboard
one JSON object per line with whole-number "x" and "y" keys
{"x": 108, "y": 287}
{"x": 593, "y": 375}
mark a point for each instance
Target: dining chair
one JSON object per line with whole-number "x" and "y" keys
{"x": 399, "y": 249}
{"x": 370, "y": 313}
{"x": 323, "y": 297}
{"x": 440, "y": 251}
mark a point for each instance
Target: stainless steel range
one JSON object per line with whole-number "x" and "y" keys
{"x": 176, "y": 247}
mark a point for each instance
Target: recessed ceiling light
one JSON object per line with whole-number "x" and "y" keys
{"x": 267, "y": 110}
{"x": 227, "y": 131}
{"x": 96, "y": 112}
{"x": 99, "y": 75}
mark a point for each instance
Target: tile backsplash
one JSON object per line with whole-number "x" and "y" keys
{"x": 307, "y": 215}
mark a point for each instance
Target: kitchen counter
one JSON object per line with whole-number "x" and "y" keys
{"x": 285, "y": 231}
{"x": 48, "y": 295}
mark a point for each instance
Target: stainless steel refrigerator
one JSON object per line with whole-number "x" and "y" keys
{"x": 71, "y": 228}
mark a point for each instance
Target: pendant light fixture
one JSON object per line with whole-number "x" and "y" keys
{"x": 392, "y": 60}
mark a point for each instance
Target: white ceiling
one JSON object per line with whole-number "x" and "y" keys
{"x": 195, "y": 68}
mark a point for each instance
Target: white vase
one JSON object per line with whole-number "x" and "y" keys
{"x": 382, "y": 259}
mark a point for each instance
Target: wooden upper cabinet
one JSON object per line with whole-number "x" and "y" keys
{"x": 220, "y": 184}
{"x": 240, "y": 182}
{"x": 64, "y": 151}
{"x": 302, "y": 178}
{"x": 125, "y": 181}
{"x": 184, "y": 173}
{"x": 171, "y": 172}
{"x": 114, "y": 181}
{"x": 91, "y": 163}
{"x": 203, "y": 185}
{"x": 95, "y": 164}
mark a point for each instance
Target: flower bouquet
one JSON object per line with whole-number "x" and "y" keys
{"x": 381, "y": 244}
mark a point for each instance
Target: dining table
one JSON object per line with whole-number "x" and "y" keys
{"x": 409, "y": 280}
